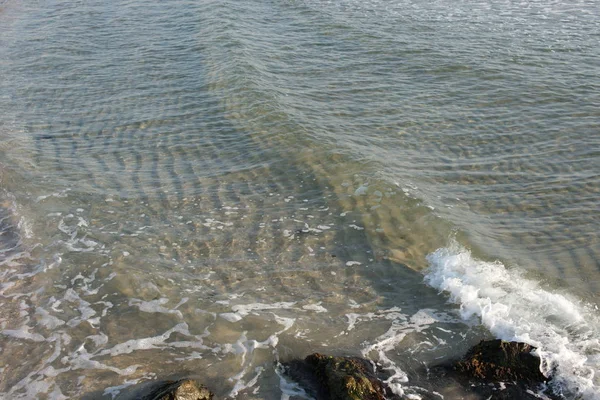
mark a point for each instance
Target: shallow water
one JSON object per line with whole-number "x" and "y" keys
{"x": 211, "y": 188}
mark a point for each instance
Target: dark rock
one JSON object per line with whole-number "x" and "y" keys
{"x": 500, "y": 361}
{"x": 185, "y": 389}
{"x": 338, "y": 378}
{"x": 498, "y": 370}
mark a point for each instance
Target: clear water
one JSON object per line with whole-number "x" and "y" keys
{"x": 209, "y": 188}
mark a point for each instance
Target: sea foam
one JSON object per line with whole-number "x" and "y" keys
{"x": 565, "y": 330}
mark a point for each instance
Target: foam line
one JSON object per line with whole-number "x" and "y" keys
{"x": 565, "y": 330}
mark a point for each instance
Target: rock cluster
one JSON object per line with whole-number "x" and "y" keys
{"x": 493, "y": 369}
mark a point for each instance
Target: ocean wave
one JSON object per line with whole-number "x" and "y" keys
{"x": 564, "y": 330}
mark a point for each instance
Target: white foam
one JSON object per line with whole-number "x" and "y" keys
{"x": 26, "y": 227}
{"x": 289, "y": 388}
{"x": 47, "y": 320}
{"x": 353, "y": 304}
{"x": 84, "y": 308}
{"x": 213, "y": 223}
{"x": 35, "y": 382}
{"x": 23, "y": 333}
{"x": 361, "y": 191}
{"x": 86, "y": 281}
{"x": 401, "y": 325}
{"x": 56, "y": 394}
{"x": 565, "y": 331}
{"x": 231, "y": 317}
{"x": 82, "y": 359}
{"x": 353, "y": 318}
{"x": 315, "y": 307}
{"x": 62, "y": 193}
{"x": 153, "y": 342}
{"x": 245, "y": 348}
{"x": 155, "y": 306}
{"x": 240, "y": 384}
{"x": 99, "y": 340}
{"x": 113, "y": 391}
{"x": 245, "y": 309}
{"x": 286, "y": 322}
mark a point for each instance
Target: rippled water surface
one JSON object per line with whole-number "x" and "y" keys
{"x": 210, "y": 188}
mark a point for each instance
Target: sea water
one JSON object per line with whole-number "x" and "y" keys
{"x": 210, "y": 189}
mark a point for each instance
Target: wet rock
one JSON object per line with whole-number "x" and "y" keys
{"x": 338, "y": 378}
{"x": 500, "y": 361}
{"x": 498, "y": 370}
{"x": 185, "y": 389}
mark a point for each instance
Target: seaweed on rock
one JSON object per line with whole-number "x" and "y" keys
{"x": 338, "y": 378}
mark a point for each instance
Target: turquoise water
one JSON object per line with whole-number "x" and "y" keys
{"x": 211, "y": 188}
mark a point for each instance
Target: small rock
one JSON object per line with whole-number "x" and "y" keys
{"x": 185, "y": 389}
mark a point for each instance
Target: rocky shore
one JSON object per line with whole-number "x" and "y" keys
{"x": 492, "y": 370}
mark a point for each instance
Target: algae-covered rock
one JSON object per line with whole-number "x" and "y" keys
{"x": 500, "y": 361}
{"x": 185, "y": 389}
{"x": 497, "y": 370}
{"x": 338, "y": 378}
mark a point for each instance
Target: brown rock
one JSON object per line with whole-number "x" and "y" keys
{"x": 185, "y": 389}
{"x": 338, "y": 378}
{"x": 500, "y": 361}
